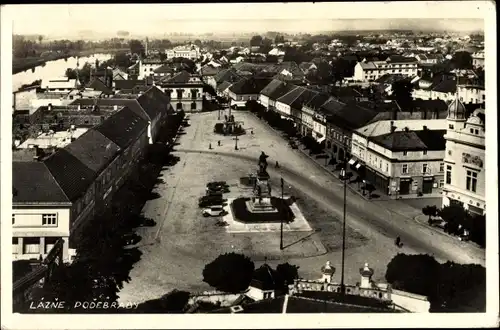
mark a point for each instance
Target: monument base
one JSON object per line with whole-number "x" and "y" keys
{"x": 262, "y": 206}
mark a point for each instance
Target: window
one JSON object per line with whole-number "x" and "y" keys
{"x": 451, "y": 126}
{"x": 441, "y": 183}
{"x": 49, "y": 219}
{"x": 471, "y": 131}
{"x": 404, "y": 169}
{"x": 380, "y": 164}
{"x": 425, "y": 168}
{"x": 471, "y": 183}
{"x": 424, "y": 152}
{"x": 387, "y": 167}
{"x": 193, "y": 106}
{"x": 179, "y": 94}
{"x": 178, "y": 106}
{"x": 405, "y": 153}
{"x": 476, "y": 131}
{"x": 448, "y": 174}
{"x": 441, "y": 167}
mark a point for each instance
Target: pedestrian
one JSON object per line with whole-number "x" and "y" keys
{"x": 218, "y": 143}
{"x": 398, "y": 241}
{"x": 277, "y": 164}
{"x": 209, "y": 145}
{"x": 251, "y": 132}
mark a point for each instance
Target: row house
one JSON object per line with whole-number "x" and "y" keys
{"x": 274, "y": 90}
{"x": 478, "y": 59}
{"x": 465, "y": 180}
{"x": 185, "y": 91}
{"x": 229, "y": 75}
{"x": 429, "y": 58}
{"x": 153, "y": 106}
{"x": 401, "y": 157}
{"x": 406, "y": 163}
{"x": 471, "y": 94}
{"x": 373, "y": 70}
{"x": 53, "y": 198}
{"x": 313, "y": 121}
{"x": 294, "y": 102}
{"x": 164, "y": 71}
{"x": 439, "y": 87}
{"x": 245, "y": 90}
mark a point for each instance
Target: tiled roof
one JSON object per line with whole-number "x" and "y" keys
{"x": 128, "y": 84}
{"x": 332, "y": 106}
{"x": 271, "y": 87}
{"x": 98, "y": 85}
{"x": 249, "y": 86}
{"x": 123, "y": 127}
{"x": 223, "y": 86}
{"x": 209, "y": 70}
{"x": 32, "y": 182}
{"x": 131, "y": 103}
{"x": 352, "y": 116}
{"x": 71, "y": 174}
{"x": 227, "y": 75}
{"x": 165, "y": 68}
{"x": 401, "y": 59}
{"x": 179, "y": 78}
{"x": 368, "y": 65}
{"x": 291, "y": 96}
{"x": 412, "y": 140}
{"x": 94, "y": 150}
{"x": 445, "y": 86}
{"x": 281, "y": 90}
{"x": 154, "y": 102}
{"x": 305, "y": 97}
{"x": 317, "y": 101}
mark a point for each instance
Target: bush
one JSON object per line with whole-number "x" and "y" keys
{"x": 219, "y": 128}
{"x": 229, "y": 272}
{"x": 430, "y": 211}
{"x": 174, "y": 302}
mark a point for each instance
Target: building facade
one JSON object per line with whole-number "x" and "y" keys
{"x": 465, "y": 178}
{"x": 478, "y": 60}
{"x": 185, "y": 91}
{"x": 371, "y": 71}
{"x": 471, "y": 94}
{"x": 190, "y": 52}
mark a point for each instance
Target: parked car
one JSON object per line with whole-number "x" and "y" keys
{"x": 217, "y": 183}
{"x": 222, "y": 189}
{"x": 148, "y": 222}
{"x": 130, "y": 238}
{"x": 218, "y": 193}
{"x": 214, "y": 211}
{"x": 207, "y": 201}
{"x": 293, "y": 145}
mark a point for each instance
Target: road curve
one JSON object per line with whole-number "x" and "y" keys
{"x": 368, "y": 218}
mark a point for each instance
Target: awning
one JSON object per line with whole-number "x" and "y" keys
{"x": 352, "y": 161}
{"x": 321, "y": 139}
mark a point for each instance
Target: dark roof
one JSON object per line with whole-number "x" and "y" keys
{"x": 401, "y": 59}
{"x": 71, "y": 174}
{"x": 317, "y": 101}
{"x": 281, "y": 90}
{"x": 332, "y": 106}
{"x": 291, "y": 96}
{"x": 179, "y": 78}
{"x": 223, "y": 85}
{"x": 420, "y": 104}
{"x": 209, "y": 70}
{"x": 128, "y": 84}
{"x": 154, "y": 102}
{"x": 249, "y": 86}
{"x": 353, "y": 116}
{"x": 271, "y": 87}
{"x": 32, "y": 182}
{"x": 227, "y": 75}
{"x": 297, "y": 304}
{"x": 445, "y": 86}
{"x": 303, "y": 98}
{"x": 132, "y": 104}
{"x": 94, "y": 150}
{"x": 165, "y": 68}
{"x": 98, "y": 85}
{"x": 123, "y": 127}
{"x": 412, "y": 140}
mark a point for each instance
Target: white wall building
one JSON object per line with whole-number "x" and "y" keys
{"x": 59, "y": 84}
{"x": 465, "y": 177}
{"x": 371, "y": 71}
{"x": 471, "y": 93}
{"x": 191, "y": 52}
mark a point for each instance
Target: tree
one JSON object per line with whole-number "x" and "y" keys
{"x": 455, "y": 217}
{"x": 197, "y": 42}
{"x": 287, "y": 273}
{"x": 70, "y": 73}
{"x": 413, "y": 273}
{"x": 40, "y": 38}
{"x": 462, "y": 60}
{"x": 136, "y": 47}
{"x": 20, "y": 268}
{"x": 279, "y": 39}
{"x": 173, "y": 302}
{"x": 402, "y": 90}
{"x": 229, "y": 272}
{"x": 256, "y": 41}
{"x": 430, "y": 211}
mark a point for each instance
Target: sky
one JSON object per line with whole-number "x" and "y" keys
{"x": 61, "y": 20}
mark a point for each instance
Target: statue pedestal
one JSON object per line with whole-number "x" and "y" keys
{"x": 262, "y": 206}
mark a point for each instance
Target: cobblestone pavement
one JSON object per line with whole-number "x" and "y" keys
{"x": 176, "y": 250}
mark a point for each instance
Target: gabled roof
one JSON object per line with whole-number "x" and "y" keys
{"x": 179, "y": 78}
{"x": 227, "y": 75}
{"x": 209, "y": 70}
{"x": 249, "y": 86}
{"x": 223, "y": 86}
{"x": 165, "y": 68}
{"x": 131, "y": 103}
{"x": 303, "y": 98}
{"x": 94, "y": 150}
{"x": 400, "y": 59}
{"x": 291, "y": 96}
{"x": 332, "y": 106}
{"x": 281, "y": 90}
{"x": 154, "y": 102}
{"x": 352, "y": 116}
{"x": 445, "y": 86}
{"x": 367, "y": 65}
{"x": 271, "y": 87}
{"x": 71, "y": 174}
{"x": 123, "y": 127}
{"x": 98, "y": 85}
{"x": 32, "y": 182}
{"x": 127, "y": 84}
{"x": 412, "y": 140}
{"x": 317, "y": 101}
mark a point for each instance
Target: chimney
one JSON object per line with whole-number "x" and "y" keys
{"x": 407, "y": 129}
{"x": 425, "y": 128}
{"x": 49, "y": 107}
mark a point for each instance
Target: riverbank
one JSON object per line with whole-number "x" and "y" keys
{"x": 24, "y": 64}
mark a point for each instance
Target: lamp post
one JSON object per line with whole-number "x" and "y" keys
{"x": 281, "y": 231}
{"x": 343, "y": 174}
{"x": 236, "y": 142}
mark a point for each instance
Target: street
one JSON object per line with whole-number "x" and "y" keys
{"x": 176, "y": 250}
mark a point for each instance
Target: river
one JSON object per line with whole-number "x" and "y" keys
{"x": 53, "y": 69}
